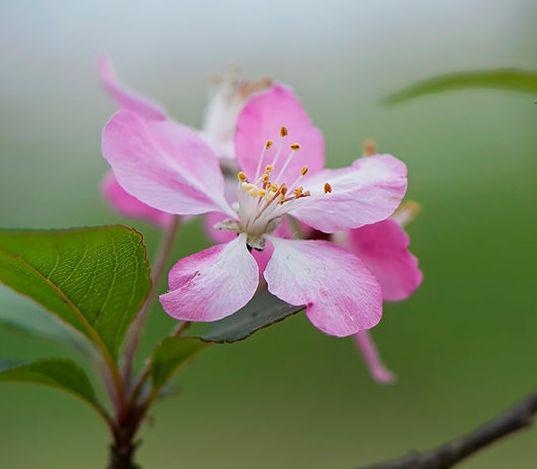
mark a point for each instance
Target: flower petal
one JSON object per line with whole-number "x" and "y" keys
{"x": 213, "y": 283}
{"x": 261, "y": 119}
{"x": 164, "y": 164}
{"x": 369, "y": 351}
{"x": 341, "y": 294}
{"x": 129, "y": 206}
{"x": 367, "y": 192}
{"x": 384, "y": 248}
{"x": 125, "y": 98}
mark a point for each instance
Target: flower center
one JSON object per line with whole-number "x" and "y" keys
{"x": 262, "y": 201}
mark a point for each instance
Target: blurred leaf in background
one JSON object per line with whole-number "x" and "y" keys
{"x": 504, "y": 79}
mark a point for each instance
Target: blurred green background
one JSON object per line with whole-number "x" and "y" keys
{"x": 463, "y": 347}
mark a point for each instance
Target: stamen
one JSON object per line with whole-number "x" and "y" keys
{"x": 298, "y": 191}
{"x": 327, "y": 188}
{"x": 304, "y": 171}
{"x": 261, "y": 193}
{"x": 265, "y": 82}
{"x": 295, "y": 147}
{"x": 277, "y": 157}
{"x": 283, "y": 132}
{"x": 241, "y": 176}
{"x": 406, "y": 212}
{"x": 273, "y": 187}
{"x": 369, "y": 147}
{"x": 269, "y": 168}
{"x": 266, "y": 146}
{"x": 286, "y": 164}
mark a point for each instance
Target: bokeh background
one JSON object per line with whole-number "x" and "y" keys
{"x": 463, "y": 347}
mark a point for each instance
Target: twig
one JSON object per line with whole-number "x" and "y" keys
{"x": 519, "y": 417}
{"x": 181, "y": 327}
{"x": 159, "y": 266}
{"x": 144, "y": 375}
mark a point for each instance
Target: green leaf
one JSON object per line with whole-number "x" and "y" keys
{"x": 506, "y": 79}
{"x": 264, "y": 310}
{"x": 94, "y": 279}
{"x": 8, "y": 363}
{"x": 170, "y": 355}
{"x": 60, "y": 335}
{"x": 29, "y": 320}
{"x": 55, "y": 372}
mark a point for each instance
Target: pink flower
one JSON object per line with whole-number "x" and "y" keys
{"x": 383, "y": 246}
{"x": 170, "y": 168}
{"x": 218, "y": 130}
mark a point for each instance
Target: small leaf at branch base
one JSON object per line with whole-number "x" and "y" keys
{"x": 59, "y": 335}
{"x": 55, "y": 372}
{"x": 264, "y": 310}
{"x": 8, "y": 363}
{"x": 94, "y": 279}
{"x": 507, "y": 79}
{"x": 26, "y": 319}
{"x": 170, "y": 355}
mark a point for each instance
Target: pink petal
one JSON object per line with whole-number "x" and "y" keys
{"x": 213, "y": 283}
{"x": 261, "y": 120}
{"x": 341, "y": 294}
{"x": 129, "y": 206}
{"x": 164, "y": 164}
{"x": 367, "y": 192}
{"x": 378, "y": 370}
{"x": 125, "y": 98}
{"x": 384, "y": 248}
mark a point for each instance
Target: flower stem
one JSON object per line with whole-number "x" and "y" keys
{"x": 144, "y": 375}
{"x": 159, "y": 266}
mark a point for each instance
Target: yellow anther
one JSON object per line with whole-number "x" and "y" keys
{"x": 304, "y": 170}
{"x": 273, "y": 187}
{"x": 283, "y": 189}
{"x": 261, "y": 192}
{"x": 253, "y": 191}
{"x": 241, "y": 176}
{"x": 283, "y": 132}
{"x": 268, "y": 168}
{"x": 407, "y": 212}
{"x": 327, "y": 188}
{"x": 265, "y": 82}
{"x": 298, "y": 191}
{"x": 268, "y": 144}
{"x": 265, "y": 178}
{"x": 369, "y": 147}
{"x": 295, "y": 146}
{"x": 412, "y": 206}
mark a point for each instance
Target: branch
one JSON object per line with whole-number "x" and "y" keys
{"x": 156, "y": 273}
{"x": 447, "y": 455}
